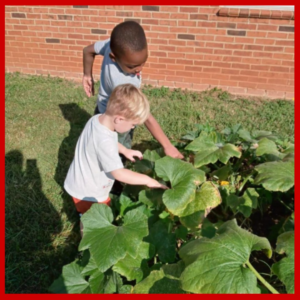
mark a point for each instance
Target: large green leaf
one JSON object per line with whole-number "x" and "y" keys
{"x": 206, "y": 198}
{"x": 133, "y": 268}
{"x": 97, "y": 282}
{"x": 245, "y": 203}
{"x": 208, "y": 150}
{"x": 108, "y": 243}
{"x": 71, "y": 281}
{"x": 163, "y": 240}
{"x": 152, "y": 198}
{"x": 223, "y": 173}
{"x": 126, "y": 204}
{"x": 184, "y": 180}
{"x": 113, "y": 282}
{"x": 217, "y": 265}
{"x": 266, "y": 146}
{"x": 146, "y": 165}
{"x": 285, "y": 268}
{"x": 259, "y": 134}
{"x": 256, "y": 135}
{"x": 276, "y": 176}
{"x": 164, "y": 281}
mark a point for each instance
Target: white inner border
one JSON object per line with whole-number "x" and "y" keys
{"x": 266, "y": 7}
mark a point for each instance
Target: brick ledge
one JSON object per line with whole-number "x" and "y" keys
{"x": 256, "y": 13}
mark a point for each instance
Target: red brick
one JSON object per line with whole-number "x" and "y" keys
{"x": 185, "y": 62}
{"x": 203, "y": 63}
{"x": 277, "y": 35}
{"x": 200, "y": 87}
{"x": 188, "y": 50}
{"x": 275, "y": 94}
{"x": 288, "y": 63}
{"x": 187, "y": 23}
{"x": 169, "y": 8}
{"x": 262, "y": 54}
{"x": 240, "y": 66}
{"x": 205, "y": 37}
{"x": 198, "y": 31}
{"x": 179, "y": 29}
{"x": 225, "y": 39}
{"x": 234, "y": 46}
{"x": 289, "y": 95}
{"x": 179, "y": 16}
{"x": 222, "y": 52}
{"x": 167, "y": 23}
{"x": 150, "y": 21}
{"x": 230, "y": 71}
{"x": 236, "y": 90}
{"x": 267, "y": 27}
{"x": 213, "y": 82}
{"x": 232, "y": 58}
{"x": 176, "y": 55}
{"x": 221, "y": 64}
{"x": 189, "y": 9}
{"x": 261, "y": 34}
{"x": 194, "y": 44}
{"x": 265, "y": 41}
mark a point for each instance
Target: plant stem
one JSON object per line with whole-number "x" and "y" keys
{"x": 244, "y": 182}
{"x": 285, "y": 205}
{"x": 262, "y": 280}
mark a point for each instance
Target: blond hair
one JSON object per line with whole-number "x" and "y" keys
{"x": 129, "y": 102}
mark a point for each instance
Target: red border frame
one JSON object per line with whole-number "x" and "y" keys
{"x": 174, "y": 2}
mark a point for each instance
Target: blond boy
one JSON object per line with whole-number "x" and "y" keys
{"x": 97, "y": 163}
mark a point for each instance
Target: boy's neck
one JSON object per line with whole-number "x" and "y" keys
{"x": 107, "y": 121}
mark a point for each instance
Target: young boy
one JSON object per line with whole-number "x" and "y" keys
{"x": 124, "y": 56}
{"x": 97, "y": 163}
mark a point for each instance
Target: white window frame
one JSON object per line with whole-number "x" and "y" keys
{"x": 263, "y": 7}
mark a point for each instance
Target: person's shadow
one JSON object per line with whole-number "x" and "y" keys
{"x": 77, "y": 117}
{"x": 31, "y": 222}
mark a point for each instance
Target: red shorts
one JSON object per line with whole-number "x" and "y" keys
{"x": 82, "y": 205}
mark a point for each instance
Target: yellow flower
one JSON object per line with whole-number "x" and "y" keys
{"x": 224, "y": 182}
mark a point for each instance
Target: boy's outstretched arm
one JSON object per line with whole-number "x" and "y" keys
{"x": 88, "y": 61}
{"x": 155, "y": 129}
{"x": 134, "y": 178}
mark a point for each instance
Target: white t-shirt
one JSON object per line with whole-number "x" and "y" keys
{"x": 111, "y": 75}
{"x": 96, "y": 155}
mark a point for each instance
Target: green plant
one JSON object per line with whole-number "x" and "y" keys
{"x": 190, "y": 238}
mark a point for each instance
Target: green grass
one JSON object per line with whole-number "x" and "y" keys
{"x": 44, "y": 118}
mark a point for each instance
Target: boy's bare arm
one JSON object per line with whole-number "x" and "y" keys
{"x": 134, "y": 178}
{"x": 88, "y": 61}
{"x": 155, "y": 129}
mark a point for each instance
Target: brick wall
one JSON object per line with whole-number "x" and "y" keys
{"x": 247, "y": 52}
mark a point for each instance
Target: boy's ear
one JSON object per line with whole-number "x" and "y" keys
{"x": 118, "y": 119}
{"x": 112, "y": 57}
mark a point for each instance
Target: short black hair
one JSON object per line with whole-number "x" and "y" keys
{"x": 128, "y": 35}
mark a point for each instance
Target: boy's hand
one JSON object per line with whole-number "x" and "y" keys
{"x": 88, "y": 85}
{"x": 173, "y": 152}
{"x": 131, "y": 153}
{"x": 152, "y": 183}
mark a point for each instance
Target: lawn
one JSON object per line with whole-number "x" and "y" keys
{"x": 44, "y": 117}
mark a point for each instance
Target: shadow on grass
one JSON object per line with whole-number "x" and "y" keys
{"x": 32, "y": 262}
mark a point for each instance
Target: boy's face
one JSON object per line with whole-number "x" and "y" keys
{"x": 123, "y": 125}
{"x": 131, "y": 62}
